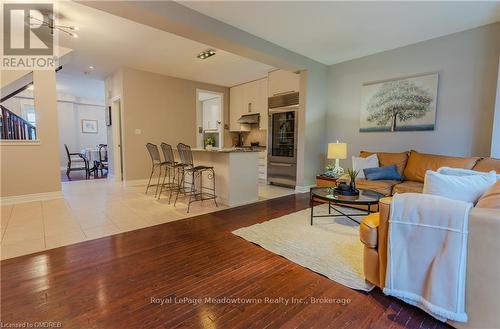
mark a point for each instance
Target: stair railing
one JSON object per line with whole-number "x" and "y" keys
{"x": 13, "y": 127}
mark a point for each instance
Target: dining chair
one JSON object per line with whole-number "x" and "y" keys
{"x": 76, "y": 159}
{"x": 103, "y": 158}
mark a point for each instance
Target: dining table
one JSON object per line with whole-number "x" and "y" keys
{"x": 92, "y": 156}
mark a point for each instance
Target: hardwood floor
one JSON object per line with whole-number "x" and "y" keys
{"x": 119, "y": 281}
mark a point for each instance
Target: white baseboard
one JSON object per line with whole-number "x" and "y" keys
{"x": 303, "y": 189}
{"x": 138, "y": 182}
{"x": 7, "y": 200}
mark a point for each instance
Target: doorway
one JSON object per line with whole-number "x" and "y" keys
{"x": 81, "y": 115}
{"x": 209, "y": 119}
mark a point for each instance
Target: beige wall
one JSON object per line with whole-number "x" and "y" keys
{"x": 495, "y": 136}
{"x": 113, "y": 92}
{"x": 30, "y": 169}
{"x": 163, "y": 108}
{"x": 71, "y": 110}
{"x": 467, "y": 63}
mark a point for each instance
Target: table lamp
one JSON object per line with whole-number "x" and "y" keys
{"x": 337, "y": 151}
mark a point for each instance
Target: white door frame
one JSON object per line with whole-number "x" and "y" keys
{"x": 117, "y": 132}
{"x": 222, "y": 112}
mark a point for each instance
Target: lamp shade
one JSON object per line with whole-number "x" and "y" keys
{"x": 337, "y": 151}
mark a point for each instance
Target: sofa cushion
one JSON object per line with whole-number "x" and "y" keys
{"x": 360, "y": 163}
{"x": 368, "y": 230}
{"x": 465, "y": 188}
{"x": 380, "y": 173}
{"x": 387, "y": 159}
{"x": 491, "y": 198}
{"x": 408, "y": 187}
{"x": 381, "y": 186}
{"x": 488, "y": 164}
{"x": 419, "y": 163}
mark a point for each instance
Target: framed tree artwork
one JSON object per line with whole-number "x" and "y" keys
{"x": 89, "y": 126}
{"x": 404, "y": 104}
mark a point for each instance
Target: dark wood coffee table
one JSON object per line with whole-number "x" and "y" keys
{"x": 327, "y": 194}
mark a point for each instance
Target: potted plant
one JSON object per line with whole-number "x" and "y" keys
{"x": 352, "y": 176}
{"x": 209, "y": 143}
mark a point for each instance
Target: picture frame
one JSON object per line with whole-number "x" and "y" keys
{"x": 108, "y": 116}
{"x": 89, "y": 126}
{"x": 400, "y": 104}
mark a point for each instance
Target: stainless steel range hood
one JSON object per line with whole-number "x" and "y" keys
{"x": 249, "y": 118}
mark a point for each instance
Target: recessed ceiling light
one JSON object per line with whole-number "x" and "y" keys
{"x": 206, "y": 54}
{"x": 91, "y": 67}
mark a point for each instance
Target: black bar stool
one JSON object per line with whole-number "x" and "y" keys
{"x": 196, "y": 192}
{"x": 156, "y": 163}
{"x": 171, "y": 180}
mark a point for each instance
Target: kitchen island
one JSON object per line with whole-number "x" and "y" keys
{"x": 236, "y": 173}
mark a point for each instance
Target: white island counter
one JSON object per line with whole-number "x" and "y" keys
{"x": 236, "y": 174}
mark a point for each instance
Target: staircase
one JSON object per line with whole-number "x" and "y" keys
{"x": 12, "y": 126}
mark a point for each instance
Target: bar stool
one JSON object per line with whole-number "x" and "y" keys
{"x": 156, "y": 163}
{"x": 194, "y": 173}
{"x": 172, "y": 171}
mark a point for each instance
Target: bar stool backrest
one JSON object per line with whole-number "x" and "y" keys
{"x": 168, "y": 153}
{"x": 185, "y": 154}
{"x": 153, "y": 153}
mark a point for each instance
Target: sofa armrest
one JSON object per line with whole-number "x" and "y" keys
{"x": 384, "y": 207}
{"x": 483, "y": 269}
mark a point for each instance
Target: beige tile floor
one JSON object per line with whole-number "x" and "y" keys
{"x": 91, "y": 210}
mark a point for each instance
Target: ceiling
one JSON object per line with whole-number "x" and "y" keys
{"x": 80, "y": 86}
{"x": 108, "y": 42}
{"x": 333, "y": 32}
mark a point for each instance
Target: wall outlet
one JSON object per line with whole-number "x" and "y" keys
{"x": 138, "y": 131}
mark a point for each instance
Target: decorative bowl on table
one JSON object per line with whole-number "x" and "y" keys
{"x": 345, "y": 190}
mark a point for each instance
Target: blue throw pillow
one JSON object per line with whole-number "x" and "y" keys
{"x": 387, "y": 172}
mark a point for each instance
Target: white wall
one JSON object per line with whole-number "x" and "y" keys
{"x": 70, "y": 116}
{"x": 467, "y": 63}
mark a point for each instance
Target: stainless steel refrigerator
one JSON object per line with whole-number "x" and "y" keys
{"x": 282, "y": 143}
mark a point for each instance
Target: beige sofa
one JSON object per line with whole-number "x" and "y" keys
{"x": 483, "y": 263}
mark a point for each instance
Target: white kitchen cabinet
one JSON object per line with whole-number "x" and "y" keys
{"x": 262, "y": 104}
{"x": 282, "y": 82}
{"x": 248, "y": 98}
{"x": 211, "y": 114}
{"x": 236, "y": 106}
{"x": 251, "y": 97}
{"x": 262, "y": 165}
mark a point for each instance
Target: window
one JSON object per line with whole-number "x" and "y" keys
{"x": 29, "y": 114}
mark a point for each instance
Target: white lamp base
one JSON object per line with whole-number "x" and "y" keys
{"x": 337, "y": 170}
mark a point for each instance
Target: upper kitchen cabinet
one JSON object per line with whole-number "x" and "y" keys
{"x": 283, "y": 82}
{"x": 263, "y": 108}
{"x": 248, "y": 98}
{"x": 236, "y": 106}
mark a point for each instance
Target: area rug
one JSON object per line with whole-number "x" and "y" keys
{"x": 330, "y": 247}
